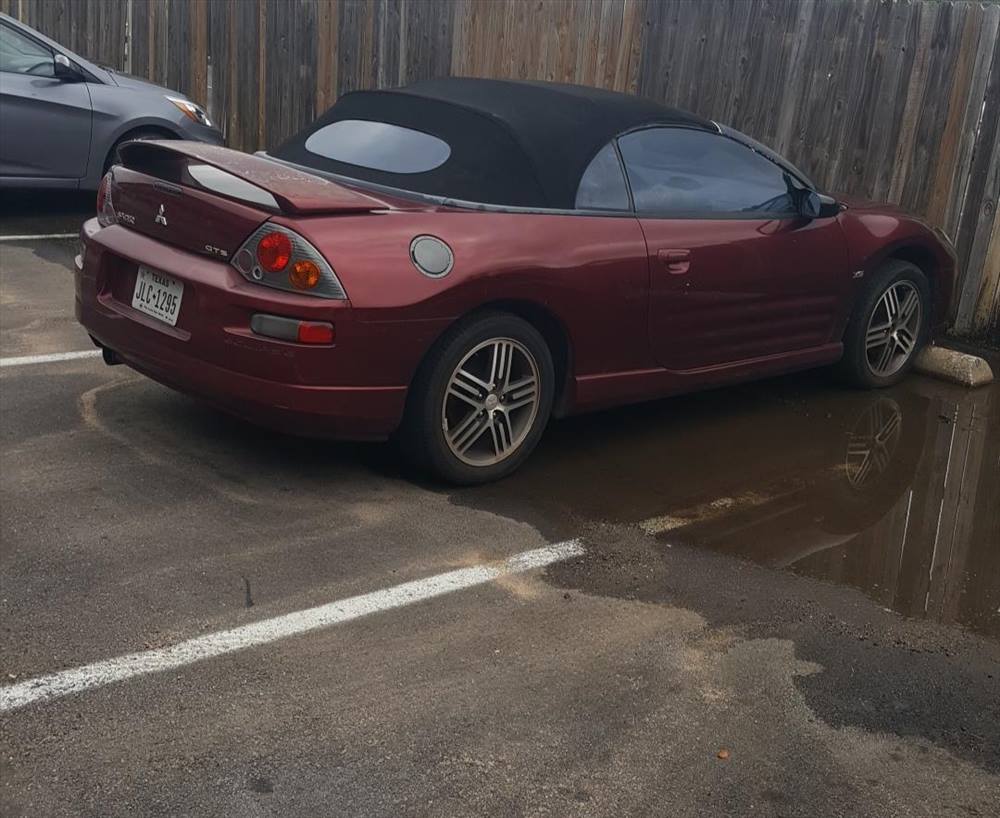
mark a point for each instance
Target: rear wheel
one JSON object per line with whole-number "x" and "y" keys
{"x": 889, "y": 326}
{"x": 481, "y": 401}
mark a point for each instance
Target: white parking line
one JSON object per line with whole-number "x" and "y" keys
{"x": 40, "y": 236}
{"x": 105, "y": 672}
{"x": 54, "y": 356}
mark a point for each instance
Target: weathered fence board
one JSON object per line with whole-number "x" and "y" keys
{"x": 878, "y": 98}
{"x": 979, "y": 305}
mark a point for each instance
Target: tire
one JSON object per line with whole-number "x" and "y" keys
{"x": 466, "y": 428}
{"x": 895, "y": 340}
{"x": 140, "y": 133}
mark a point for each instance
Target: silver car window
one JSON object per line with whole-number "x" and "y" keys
{"x": 22, "y": 55}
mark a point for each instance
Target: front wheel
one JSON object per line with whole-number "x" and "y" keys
{"x": 139, "y": 135}
{"x": 888, "y": 327}
{"x": 481, "y": 401}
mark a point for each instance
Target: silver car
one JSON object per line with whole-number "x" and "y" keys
{"x": 62, "y": 117}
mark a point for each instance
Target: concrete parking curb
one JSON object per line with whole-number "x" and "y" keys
{"x": 952, "y": 365}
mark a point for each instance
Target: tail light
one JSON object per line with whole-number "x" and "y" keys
{"x": 105, "y": 206}
{"x": 304, "y": 275}
{"x": 273, "y": 251}
{"x": 278, "y": 257}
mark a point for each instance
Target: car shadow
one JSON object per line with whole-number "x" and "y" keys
{"x": 43, "y": 212}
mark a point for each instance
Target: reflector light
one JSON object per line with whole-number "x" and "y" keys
{"x": 304, "y": 275}
{"x": 315, "y": 332}
{"x": 273, "y": 252}
{"x": 291, "y": 329}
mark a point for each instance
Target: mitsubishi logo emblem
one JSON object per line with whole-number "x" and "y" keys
{"x": 161, "y": 217}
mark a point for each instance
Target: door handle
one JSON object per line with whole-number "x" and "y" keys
{"x": 677, "y": 262}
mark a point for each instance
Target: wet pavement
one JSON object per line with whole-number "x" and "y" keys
{"x": 788, "y": 603}
{"x": 896, "y": 493}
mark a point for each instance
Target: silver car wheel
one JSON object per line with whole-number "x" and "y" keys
{"x": 491, "y": 402}
{"x": 893, "y": 329}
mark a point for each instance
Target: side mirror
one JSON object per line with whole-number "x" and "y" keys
{"x": 813, "y": 205}
{"x": 64, "y": 70}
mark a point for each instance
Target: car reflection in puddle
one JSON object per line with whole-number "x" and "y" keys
{"x": 895, "y": 493}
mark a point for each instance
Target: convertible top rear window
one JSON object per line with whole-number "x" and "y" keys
{"x": 379, "y": 146}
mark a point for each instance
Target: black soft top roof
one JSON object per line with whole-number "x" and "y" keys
{"x": 512, "y": 143}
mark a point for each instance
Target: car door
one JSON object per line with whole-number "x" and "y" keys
{"x": 45, "y": 122}
{"x": 736, "y": 274}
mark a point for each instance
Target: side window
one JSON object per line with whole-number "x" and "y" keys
{"x": 22, "y": 55}
{"x": 684, "y": 172}
{"x": 602, "y": 186}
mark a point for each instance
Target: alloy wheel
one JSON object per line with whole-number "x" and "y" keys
{"x": 893, "y": 329}
{"x": 491, "y": 402}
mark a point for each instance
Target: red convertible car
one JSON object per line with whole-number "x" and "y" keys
{"x": 455, "y": 261}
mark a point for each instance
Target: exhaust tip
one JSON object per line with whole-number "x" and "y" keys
{"x": 110, "y": 357}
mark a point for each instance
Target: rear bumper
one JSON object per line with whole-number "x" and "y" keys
{"x": 212, "y": 354}
{"x": 341, "y": 412}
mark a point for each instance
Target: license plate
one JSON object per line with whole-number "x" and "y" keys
{"x": 158, "y": 295}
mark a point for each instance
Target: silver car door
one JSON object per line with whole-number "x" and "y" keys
{"x": 45, "y": 122}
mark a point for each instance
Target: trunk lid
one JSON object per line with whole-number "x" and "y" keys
{"x": 184, "y": 217}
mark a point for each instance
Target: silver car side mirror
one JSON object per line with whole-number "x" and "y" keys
{"x": 64, "y": 70}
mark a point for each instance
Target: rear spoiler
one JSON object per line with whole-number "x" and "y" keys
{"x": 294, "y": 191}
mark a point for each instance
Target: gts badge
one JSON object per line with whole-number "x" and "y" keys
{"x": 125, "y": 218}
{"x": 216, "y": 251}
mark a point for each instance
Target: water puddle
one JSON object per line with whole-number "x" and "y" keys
{"x": 896, "y": 492}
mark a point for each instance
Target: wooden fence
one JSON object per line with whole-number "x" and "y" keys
{"x": 896, "y": 100}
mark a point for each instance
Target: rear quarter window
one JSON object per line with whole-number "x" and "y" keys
{"x": 602, "y": 186}
{"x": 379, "y": 146}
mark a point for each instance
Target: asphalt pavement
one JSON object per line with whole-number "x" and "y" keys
{"x": 781, "y": 599}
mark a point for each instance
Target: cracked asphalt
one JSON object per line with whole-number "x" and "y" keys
{"x": 789, "y": 602}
